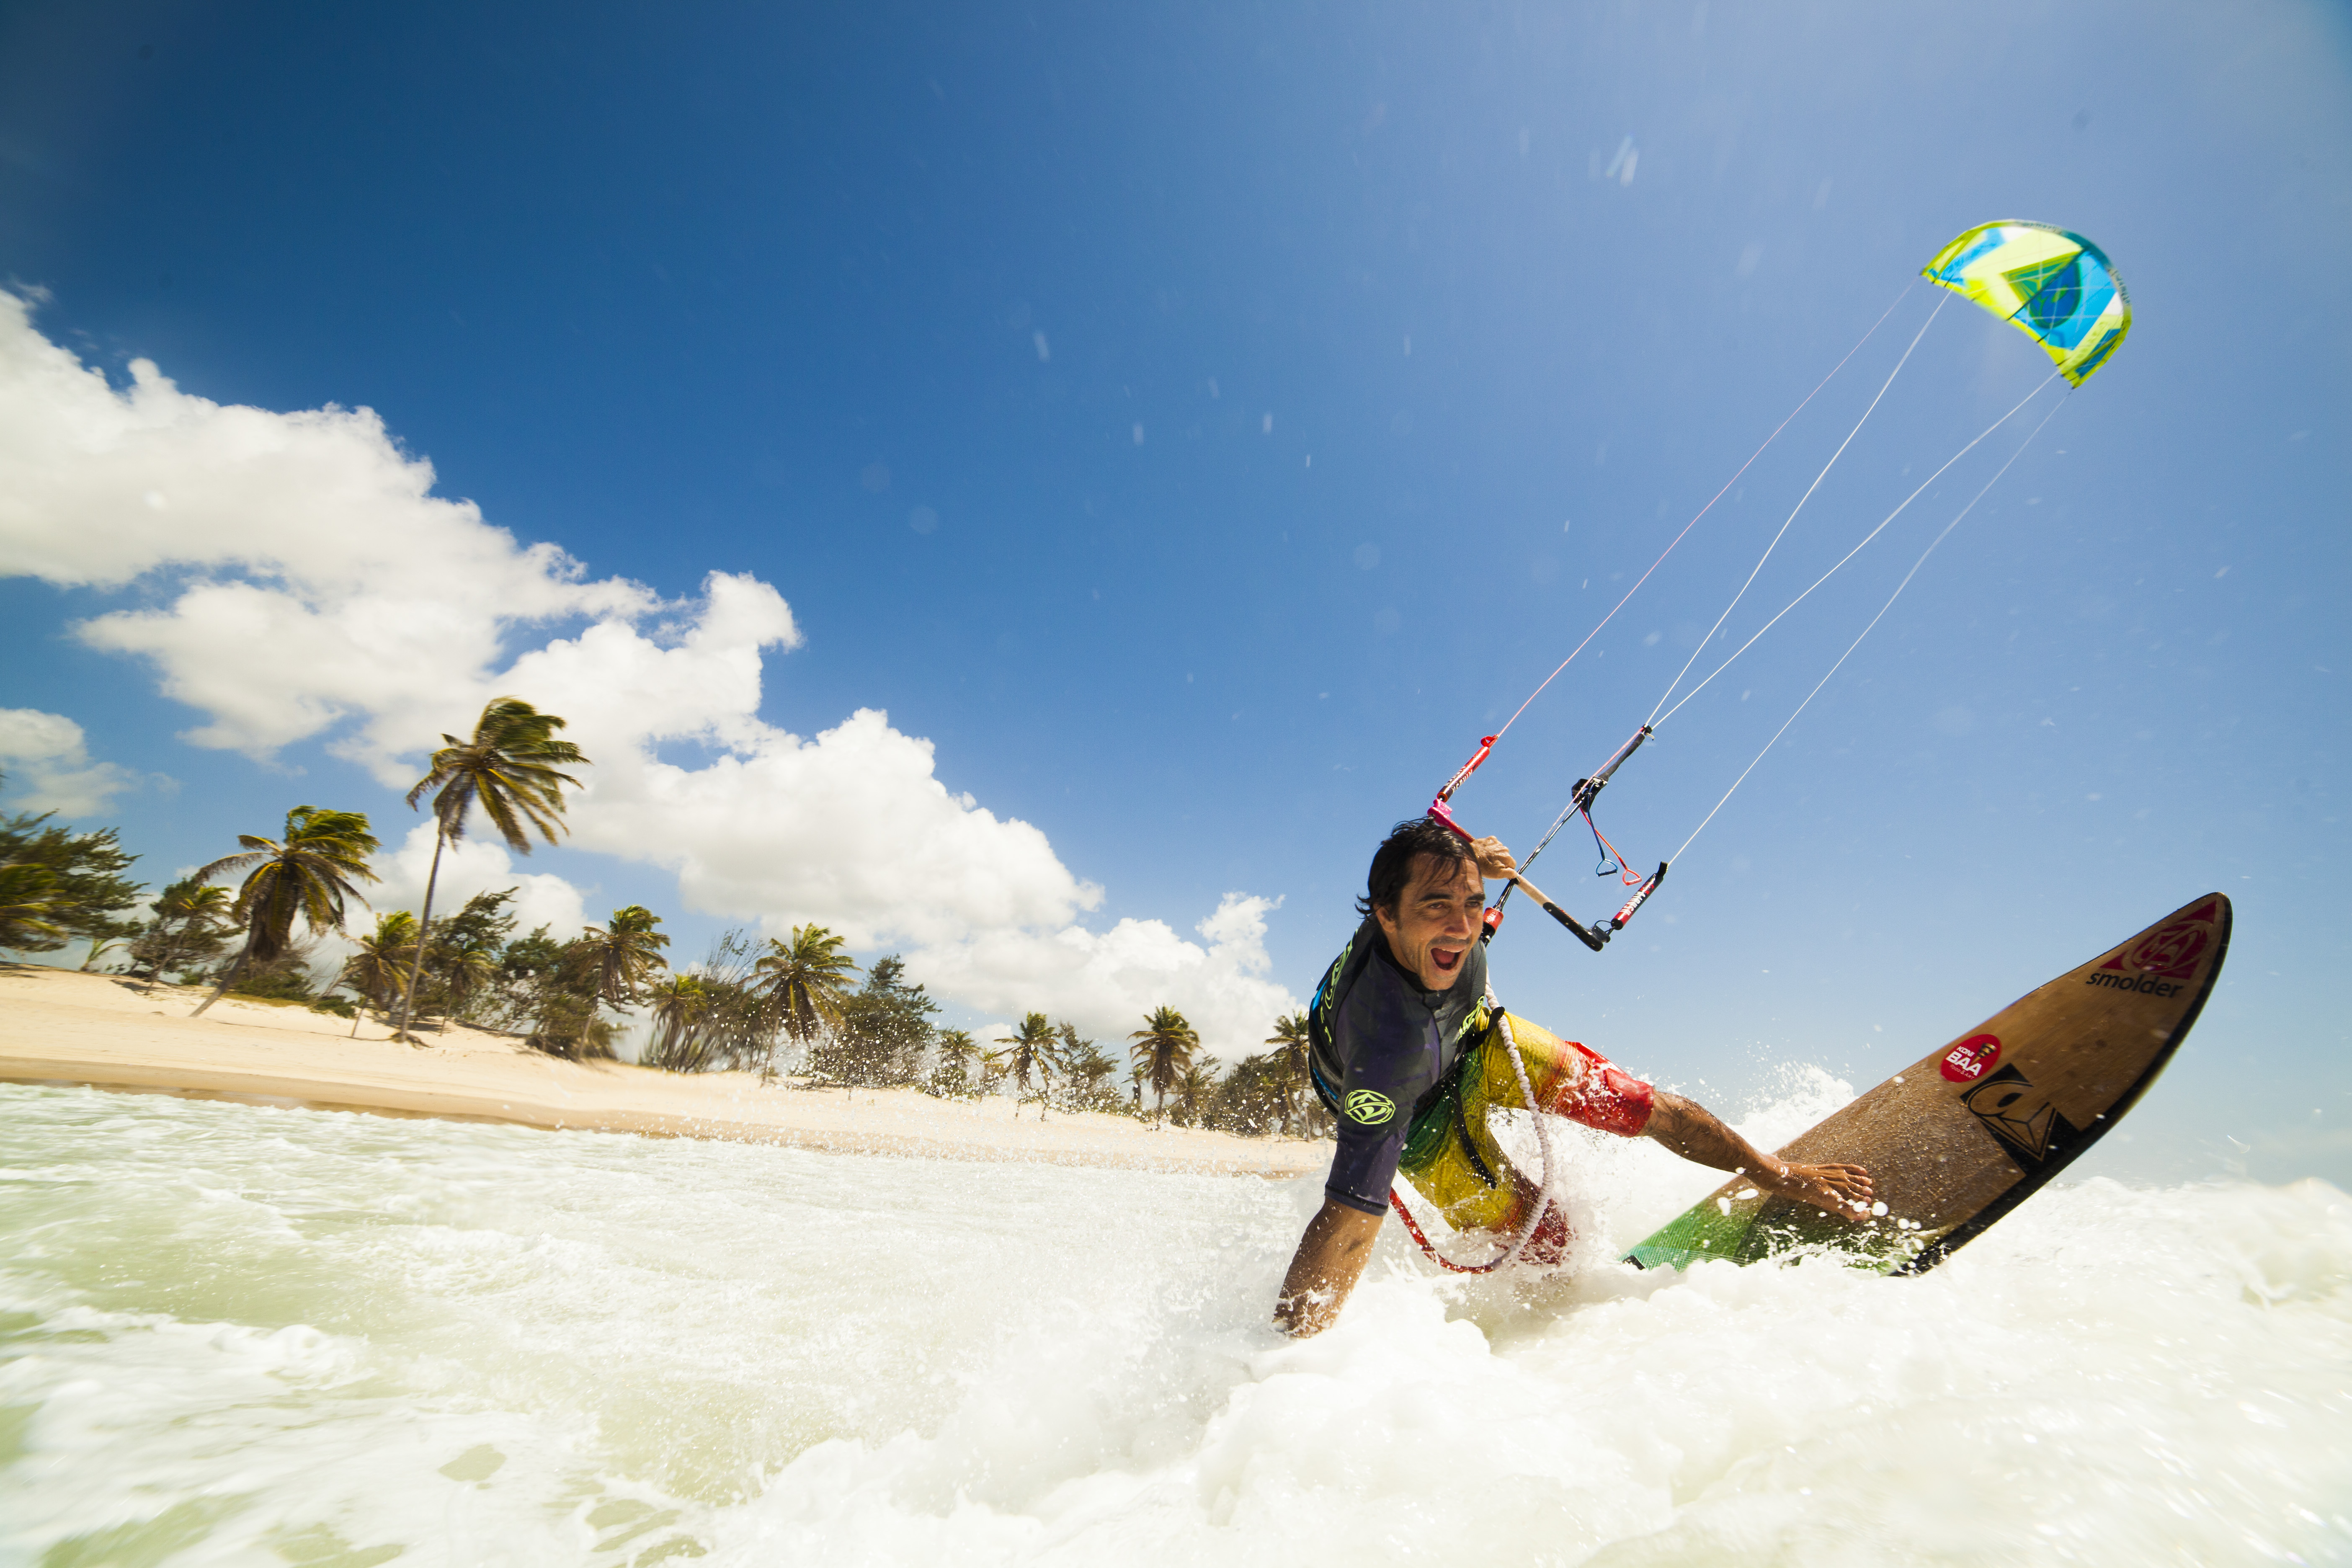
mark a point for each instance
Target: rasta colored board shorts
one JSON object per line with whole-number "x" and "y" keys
{"x": 1451, "y": 1156}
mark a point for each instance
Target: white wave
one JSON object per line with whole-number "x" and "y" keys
{"x": 230, "y": 1334}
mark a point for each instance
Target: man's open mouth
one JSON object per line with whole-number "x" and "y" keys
{"x": 1444, "y": 959}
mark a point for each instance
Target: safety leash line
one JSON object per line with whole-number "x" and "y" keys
{"x": 1543, "y": 1194}
{"x": 1873, "y": 622}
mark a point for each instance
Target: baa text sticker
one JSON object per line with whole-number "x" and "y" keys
{"x": 1971, "y": 1058}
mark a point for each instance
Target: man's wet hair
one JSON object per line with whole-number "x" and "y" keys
{"x": 1391, "y": 870}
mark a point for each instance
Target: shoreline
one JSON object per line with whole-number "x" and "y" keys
{"x": 62, "y": 1027}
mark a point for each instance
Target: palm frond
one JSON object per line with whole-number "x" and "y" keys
{"x": 511, "y": 769}
{"x": 230, "y": 864}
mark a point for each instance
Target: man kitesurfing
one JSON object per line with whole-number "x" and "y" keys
{"x": 1410, "y": 1052}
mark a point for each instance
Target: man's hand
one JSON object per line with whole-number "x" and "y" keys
{"x": 1495, "y": 862}
{"x": 1842, "y": 1190}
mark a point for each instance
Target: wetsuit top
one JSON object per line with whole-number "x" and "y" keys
{"x": 1382, "y": 1046}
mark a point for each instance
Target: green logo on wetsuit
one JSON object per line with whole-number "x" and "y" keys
{"x": 1369, "y": 1108}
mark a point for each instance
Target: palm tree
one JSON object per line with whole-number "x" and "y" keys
{"x": 509, "y": 770}
{"x": 958, "y": 1051}
{"x": 1292, "y": 1051}
{"x": 27, "y": 894}
{"x": 470, "y": 969}
{"x": 1162, "y": 1050}
{"x": 806, "y": 979}
{"x": 1084, "y": 1066}
{"x": 1198, "y": 1082}
{"x": 1089, "y": 1070}
{"x": 311, "y": 875}
{"x": 624, "y": 955}
{"x": 715, "y": 1015}
{"x": 679, "y": 1004}
{"x": 375, "y": 970}
{"x": 1030, "y": 1052}
{"x": 192, "y": 922}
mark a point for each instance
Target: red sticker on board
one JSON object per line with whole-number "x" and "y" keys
{"x": 1971, "y": 1058}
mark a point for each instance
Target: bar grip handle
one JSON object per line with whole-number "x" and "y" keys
{"x": 1595, "y": 943}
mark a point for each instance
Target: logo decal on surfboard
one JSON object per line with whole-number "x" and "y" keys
{"x": 1971, "y": 1058}
{"x": 2020, "y": 1116}
{"x": 2171, "y": 951}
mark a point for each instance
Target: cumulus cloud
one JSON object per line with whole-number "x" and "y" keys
{"x": 853, "y": 826}
{"x": 475, "y": 865}
{"x": 327, "y": 580}
{"x": 303, "y": 581}
{"x": 48, "y": 767}
{"x": 1105, "y": 982}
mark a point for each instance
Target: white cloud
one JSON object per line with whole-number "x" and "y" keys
{"x": 317, "y": 576}
{"x": 49, "y": 766}
{"x": 305, "y": 582}
{"x": 472, "y": 865}
{"x": 853, "y": 828}
{"x": 1105, "y": 983}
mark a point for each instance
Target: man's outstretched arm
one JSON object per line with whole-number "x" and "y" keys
{"x": 1697, "y": 1134}
{"x": 1331, "y": 1259}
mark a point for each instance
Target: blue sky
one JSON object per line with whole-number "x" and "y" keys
{"x": 1201, "y": 423}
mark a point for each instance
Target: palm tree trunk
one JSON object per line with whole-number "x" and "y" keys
{"x": 155, "y": 962}
{"x": 234, "y": 971}
{"x": 767, "y": 1059}
{"x": 424, "y": 928}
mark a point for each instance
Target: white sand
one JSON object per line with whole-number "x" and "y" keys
{"x": 60, "y": 1026}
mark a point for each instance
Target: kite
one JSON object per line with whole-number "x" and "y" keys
{"x": 2053, "y": 284}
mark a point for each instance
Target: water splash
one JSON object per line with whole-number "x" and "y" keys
{"x": 234, "y": 1334}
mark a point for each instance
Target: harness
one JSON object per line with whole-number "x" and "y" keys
{"x": 1448, "y": 1092}
{"x": 1488, "y": 1013}
{"x": 1447, "y": 1089}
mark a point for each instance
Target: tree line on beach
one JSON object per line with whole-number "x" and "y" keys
{"x": 795, "y": 1006}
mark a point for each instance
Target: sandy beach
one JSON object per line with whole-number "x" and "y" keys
{"x": 64, "y": 1027}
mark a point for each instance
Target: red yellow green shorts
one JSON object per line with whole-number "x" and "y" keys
{"x": 1451, "y": 1156}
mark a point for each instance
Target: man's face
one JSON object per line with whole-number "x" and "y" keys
{"x": 1437, "y": 921}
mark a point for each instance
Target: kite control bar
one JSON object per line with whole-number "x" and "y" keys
{"x": 1640, "y": 896}
{"x": 1588, "y": 790}
{"x": 1596, "y": 935}
{"x": 1576, "y": 929}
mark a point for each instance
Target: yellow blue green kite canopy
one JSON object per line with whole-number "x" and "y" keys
{"x": 2057, "y": 287}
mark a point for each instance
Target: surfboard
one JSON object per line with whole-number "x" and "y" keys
{"x": 1974, "y": 1127}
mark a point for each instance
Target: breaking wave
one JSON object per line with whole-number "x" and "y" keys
{"x": 234, "y": 1334}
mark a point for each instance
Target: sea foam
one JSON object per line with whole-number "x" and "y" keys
{"x": 234, "y": 1334}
